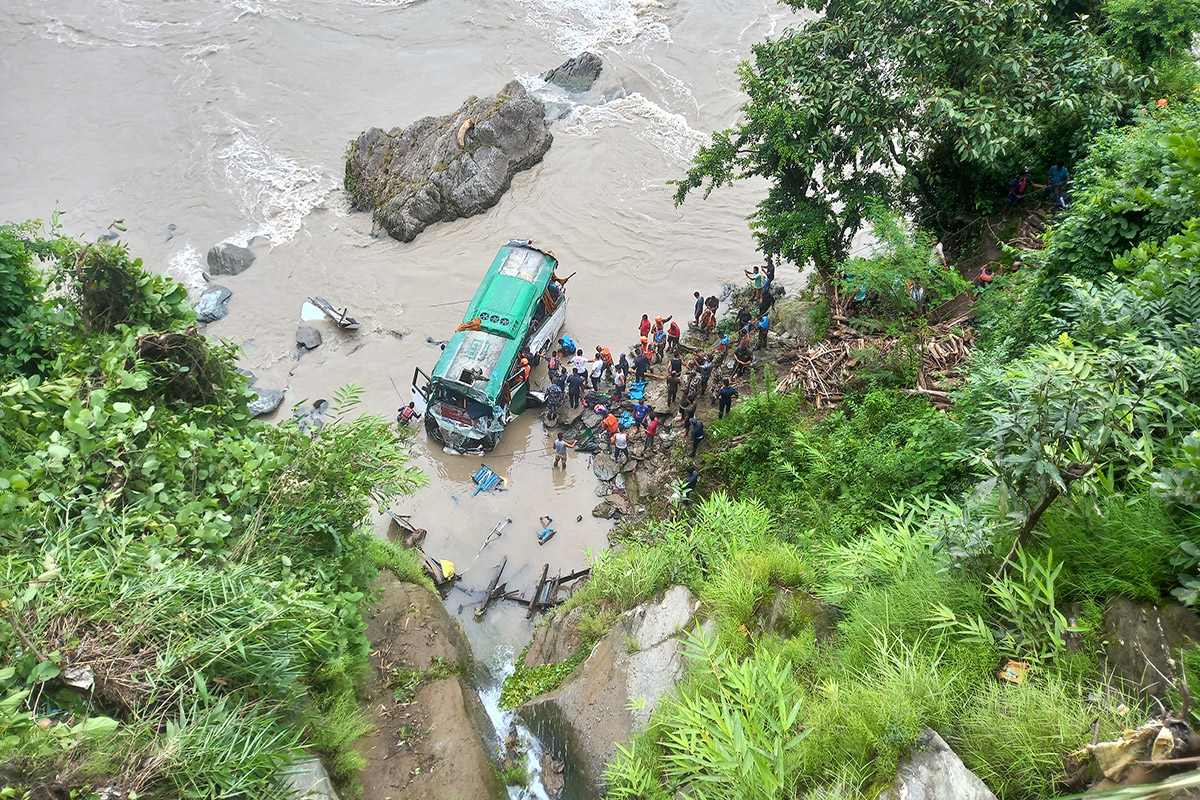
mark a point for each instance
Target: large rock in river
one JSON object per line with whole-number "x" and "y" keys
{"x": 442, "y": 168}
{"x": 576, "y": 74}
{"x": 611, "y": 696}
{"x": 213, "y": 304}
{"x": 229, "y": 259}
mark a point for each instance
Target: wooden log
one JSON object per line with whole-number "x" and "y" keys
{"x": 487, "y": 597}
{"x": 932, "y": 393}
{"x": 537, "y": 591}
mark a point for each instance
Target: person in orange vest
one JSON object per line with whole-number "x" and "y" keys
{"x": 605, "y": 355}
{"x": 610, "y": 423}
{"x": 645, "y": 348}
{"x": 525, "y": 369}
{"x": 708, "y": 320}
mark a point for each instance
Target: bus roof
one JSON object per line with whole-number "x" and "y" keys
{"x": 508, "y": 293}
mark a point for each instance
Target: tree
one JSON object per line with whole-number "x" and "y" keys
{"x": 1070, "y": 410}
{"x": 941, "y": 96}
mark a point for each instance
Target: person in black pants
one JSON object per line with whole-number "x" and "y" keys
{"x": 725, "y": 397}
{"x": 574, "y": 388}
{"x": 696, "y": 428}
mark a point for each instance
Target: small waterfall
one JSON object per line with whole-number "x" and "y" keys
{"x": 505, "y": 721}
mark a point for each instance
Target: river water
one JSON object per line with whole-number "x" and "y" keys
{"x": 228, "y": 119}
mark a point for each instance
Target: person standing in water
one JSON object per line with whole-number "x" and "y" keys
{"x": 560, "y": 451}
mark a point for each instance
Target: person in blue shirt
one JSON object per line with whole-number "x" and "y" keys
{"x": 640, "y": 410}
{"x": 764, "y": 326}
{"x": 567, "y": 346}
{"x": 1056, "y": 185}
{"x": 699, "y": 307}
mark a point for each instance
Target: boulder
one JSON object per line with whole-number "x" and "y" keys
{"x": 934, "y": 772}
{"x": 443, "y": 168}
{"x": 576, "y": 74}
{"x": 605, "y": 510}
{"x": 268, "y": 400}
{"x": 213, "y": 304}
{"x": 611, "y": 696}
{"x": 605, "y": 467}
{"x": 790, "y": 315}
{"x": 308, "y": 337}
{"x": 1137, "y": 635}
{"x": 308, "y": 780}
{"x": 555, "y": 641}
{"x": 229, "y": 259}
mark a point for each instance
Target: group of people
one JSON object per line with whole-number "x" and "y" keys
{"x": 1054, "y": 189}
{"x": 603, "y": 382}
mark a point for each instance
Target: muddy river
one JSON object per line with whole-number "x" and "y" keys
{"x": 228, "y": 120}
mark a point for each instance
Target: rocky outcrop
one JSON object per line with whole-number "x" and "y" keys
{"x": 935, "y": 772}
{"x": 229, "y": 259}
{"x": 433, "y": 745}
{"x": 1142, "y": 643}
{"x": 213, "y": 304}
{"x": 613, "y": 693}
{"x": 555, "y": 641}
{"x": 442, "y": 168}
{"x": 576, "y": 74}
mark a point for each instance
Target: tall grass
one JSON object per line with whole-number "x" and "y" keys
{"x": 1017, "y": 739}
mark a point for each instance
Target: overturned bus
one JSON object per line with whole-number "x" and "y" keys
{"x": 479, "y": 385}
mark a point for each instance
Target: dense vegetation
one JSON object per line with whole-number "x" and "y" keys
{"x": 913, "y": 552}
{"x": 180, "y": 585}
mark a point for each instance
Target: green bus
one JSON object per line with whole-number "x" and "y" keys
{"x": 478, "y": 385}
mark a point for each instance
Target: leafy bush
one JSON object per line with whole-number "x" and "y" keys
{"x": 206, "y": 568}
{"x": 837, "y": 476}
{"x": 1134, "y": 186}
{"x": 901, "y": 261}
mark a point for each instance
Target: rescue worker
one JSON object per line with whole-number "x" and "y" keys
{"x": 407, "y": 414}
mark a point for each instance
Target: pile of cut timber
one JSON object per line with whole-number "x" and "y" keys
{"x": 822, "y": 370}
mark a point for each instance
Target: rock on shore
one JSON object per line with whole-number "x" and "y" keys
{"x": 613, "y": 693}
{"x": 443, "y": 168}
{"x": 433, "y": 745}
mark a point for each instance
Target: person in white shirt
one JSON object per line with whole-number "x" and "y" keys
{"x": 597, "y": 371}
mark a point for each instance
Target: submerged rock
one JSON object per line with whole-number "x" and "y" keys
{"x": 213, "y": 304}
{"x": 442, "y": 168}
{"x": 576, "y": 74}
{"x": 613, "y": 693}
{"x": 935, "y": 772}
{"x": 229, "y": 259}
{"x": 268, "y": 400}
{"x": 308, "y": 337}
